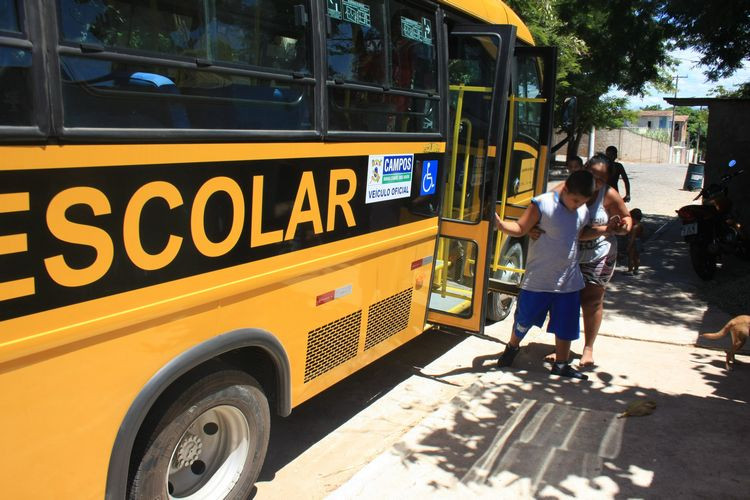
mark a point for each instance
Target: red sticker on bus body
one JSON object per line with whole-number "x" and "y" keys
{"x": 421, "y": 262}
{"x": 333, "y": 294}
{"x": 326, "y": 297}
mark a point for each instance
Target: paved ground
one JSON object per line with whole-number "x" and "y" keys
{"x": 437, "y": 419}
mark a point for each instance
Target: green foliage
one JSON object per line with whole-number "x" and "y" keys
{"x": 718, "y": 29}
{"x": 656, "y": 134}
{"x": 625, "y": 44}
{"x": 607, "y": 112}
{"x": 541, "y": 16}
{"x": 741, "y": 91}
{"x": 697, "y": 125}
{"x": 627, "y": 49}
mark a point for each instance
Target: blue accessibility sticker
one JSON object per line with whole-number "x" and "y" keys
{"x": 429, "y": 177}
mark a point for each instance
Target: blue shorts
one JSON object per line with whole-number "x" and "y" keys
{"x": 563, "y": 308}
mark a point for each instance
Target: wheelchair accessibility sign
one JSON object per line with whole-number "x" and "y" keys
{"x": 429, "y": 177}
{"x": 389, "y": 177}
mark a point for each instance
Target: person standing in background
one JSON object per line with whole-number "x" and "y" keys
{"x": 618, "y": 171}
{"x": 574, "y": 163}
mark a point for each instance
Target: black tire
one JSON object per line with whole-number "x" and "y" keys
{"x": 499, "y": 304}
{"x": 210, "y": 441}
{"x": 704, "y": 263}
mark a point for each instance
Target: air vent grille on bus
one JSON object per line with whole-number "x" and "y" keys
{"x": 387, "y": 317}
{"x": 332, "y": 344}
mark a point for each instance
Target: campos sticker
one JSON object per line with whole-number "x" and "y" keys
{"x": 389, "y": 177}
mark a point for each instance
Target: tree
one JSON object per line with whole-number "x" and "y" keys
{"x": 742, "y": 91}
{"x": 602, "y": 44}
{"x": 625, "y": 44}
{"x": 627, "y": 48}
{"x": 718, "y": 29}
{"x": 548, "y": 30}
{"x": 697, "y": 127}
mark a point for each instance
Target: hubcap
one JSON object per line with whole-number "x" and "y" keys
{"x": 210, "y": 456}
{"x": 506, "y": 301}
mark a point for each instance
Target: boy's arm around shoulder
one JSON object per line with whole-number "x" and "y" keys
{"x": 523, "y": 225}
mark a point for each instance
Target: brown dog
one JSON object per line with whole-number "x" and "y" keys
{"x": 739, "y": 327}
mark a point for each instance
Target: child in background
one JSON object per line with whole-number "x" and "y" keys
{"x": 634, "y": 242}
{"x": 553, "y": 279}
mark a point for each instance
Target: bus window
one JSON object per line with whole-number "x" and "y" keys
{"x": 9, "y": 16}
{"x": 233, "y": 50}
{"x": 356, "y": 45}
{"x": 529, "y": 87}
{"x": 15, "y": 86}
{"x": 528, "y": 120}
{"x": 471, "y": 68}
{"x": 390, "y": 48}
{"x": 100, "y": 93}
{"x": 262, "y": 33}
{"x": 414, "y": 62}
{"x": 15, "y": 72}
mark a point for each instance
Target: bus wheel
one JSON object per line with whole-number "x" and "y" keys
{"x": 500, "y": 304}
{"x": 209, "y": 443}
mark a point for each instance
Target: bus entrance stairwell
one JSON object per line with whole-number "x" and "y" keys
{"x": 478, "y": 67}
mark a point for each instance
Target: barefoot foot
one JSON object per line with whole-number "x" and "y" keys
{"x": 587, "y": 359}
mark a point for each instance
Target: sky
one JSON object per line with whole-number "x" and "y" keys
{"x": 695, "y": 85}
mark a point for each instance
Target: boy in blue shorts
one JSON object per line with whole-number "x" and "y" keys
{"x": 553, "y": 280}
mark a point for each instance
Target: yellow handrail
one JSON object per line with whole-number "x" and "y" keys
{"x": 467, "y": 158}
{"x": 500, "y": 240}
{"x": 450, "y": 188}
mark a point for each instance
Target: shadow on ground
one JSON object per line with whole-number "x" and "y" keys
{"x": 667, "y": 292}
{"x": 552, "y": 438}
{"x": 316, "y": 418}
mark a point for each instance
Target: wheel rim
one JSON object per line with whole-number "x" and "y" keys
{"x": 506, "y": 301}
{"x": 210, "y": 455}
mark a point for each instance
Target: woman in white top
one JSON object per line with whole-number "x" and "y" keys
{"x": 598, "y": 256}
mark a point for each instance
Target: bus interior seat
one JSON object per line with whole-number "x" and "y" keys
{"x": 249, "y": 107}
{"x": 112, "y": 100}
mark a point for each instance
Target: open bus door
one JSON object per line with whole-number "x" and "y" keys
{"x": 479, "y": 77}
{"x": 529, "y": 131}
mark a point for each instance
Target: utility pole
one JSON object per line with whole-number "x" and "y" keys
{"x": 671, "y": 132}
{"x": 698, "y": 142}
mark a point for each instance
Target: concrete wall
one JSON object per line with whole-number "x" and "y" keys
{"x": 630, "y": 146}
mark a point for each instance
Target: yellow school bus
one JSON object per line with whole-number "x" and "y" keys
{"x": 211, "y": 211}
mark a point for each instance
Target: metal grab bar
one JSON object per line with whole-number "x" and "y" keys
{"x": 450, "y": 189}
{"x": 467, "y": 158}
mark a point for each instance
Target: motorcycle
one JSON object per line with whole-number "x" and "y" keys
{"x": 711, "y": 228}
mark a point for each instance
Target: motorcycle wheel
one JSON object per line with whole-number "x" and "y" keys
{"x": 704, "y": 263}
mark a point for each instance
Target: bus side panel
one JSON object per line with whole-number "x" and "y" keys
{"x": 76, "y": 395}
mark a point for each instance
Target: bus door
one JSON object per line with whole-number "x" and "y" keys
{"x": 529, "y": 131}
{"x": 479, "y": 78}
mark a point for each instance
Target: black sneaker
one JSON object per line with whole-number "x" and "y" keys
{"x": 565, "y": 370}
{"x": 506, "y": 359}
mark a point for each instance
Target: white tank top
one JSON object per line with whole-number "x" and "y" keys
{"x": 594, "y": 250}
{"x": 552, "y": 264}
